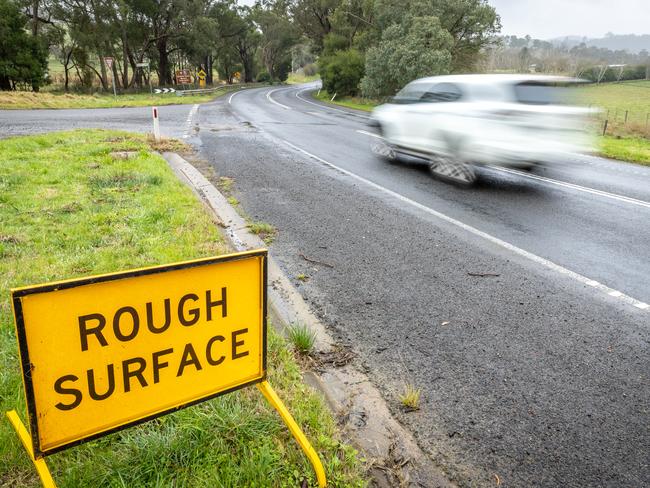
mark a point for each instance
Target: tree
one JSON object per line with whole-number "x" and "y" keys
{"x": 23, "y": 58}
{"x": 278, "y": 37}
{"x": 314, "y": 18}
{"x": 342, "y": 72}
{"x": 417, "y": 47}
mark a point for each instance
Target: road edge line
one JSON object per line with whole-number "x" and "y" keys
{"x": 348, "y": 392}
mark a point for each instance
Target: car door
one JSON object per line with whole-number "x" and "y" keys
{"x": 398, "y": 126}
{"x": 435, "y": 114}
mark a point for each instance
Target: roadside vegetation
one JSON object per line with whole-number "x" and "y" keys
{"x": 72, "y": 204}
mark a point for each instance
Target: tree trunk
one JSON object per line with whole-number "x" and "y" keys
{"x": 5, "y": 84}
{"x": 164, "y": 73}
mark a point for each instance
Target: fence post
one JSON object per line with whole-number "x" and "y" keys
{"x": 625, "y": 117}
{"x": 605, "y": 127}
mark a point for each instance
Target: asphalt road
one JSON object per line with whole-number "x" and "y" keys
{"x": 538, "y": 376}
{"x": 173, "y": 120}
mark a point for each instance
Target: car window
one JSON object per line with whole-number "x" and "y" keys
{"x": 538, "y": 93}
{"x": 442, "y": 92}
{"x": 486, "y": 93}
{"x": 412, "y": 93}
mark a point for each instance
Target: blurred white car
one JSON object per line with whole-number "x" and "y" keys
{"x": 459, "y": 121}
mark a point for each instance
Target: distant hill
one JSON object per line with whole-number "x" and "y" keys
{"x": 616, "y": 42}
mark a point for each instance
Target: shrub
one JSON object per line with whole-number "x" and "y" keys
{"x": 418, "y": 47}
{"x": 310, "y": 69}
{"x": 264, "y": 77}
{"x": 342, "y": 72}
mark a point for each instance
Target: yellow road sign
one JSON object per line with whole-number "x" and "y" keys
{"x": 201, "y": 74}
{"x": 106, "y": 352}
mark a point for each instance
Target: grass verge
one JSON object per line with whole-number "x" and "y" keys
{"x": 30, "y": 100}
{"x": 297, "y": 78}
{"x": 69, "y": 207}
{"x": 357, "y": 103}
{"x": 635, "y": 149}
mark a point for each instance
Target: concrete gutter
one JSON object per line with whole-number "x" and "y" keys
{"x": 391, "y": 451}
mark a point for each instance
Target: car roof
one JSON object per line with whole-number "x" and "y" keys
{"x": 496, "y": 78}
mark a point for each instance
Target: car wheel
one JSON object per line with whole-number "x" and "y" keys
{"x": 449, "y": 169}
{"x": 383, "y": 150}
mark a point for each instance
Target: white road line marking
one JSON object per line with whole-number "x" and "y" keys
{"x": 369, "y": 134}
{"x": 268, "y": 97}
{"x": 593, "y": 191}
{"x": 188, "y": 124}
{"x": 495, "y": 240}
{"x": 323, "y": 107}
{"x": 231, "y": 96}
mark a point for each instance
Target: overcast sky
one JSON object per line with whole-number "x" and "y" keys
{"x": 545, "y": 19}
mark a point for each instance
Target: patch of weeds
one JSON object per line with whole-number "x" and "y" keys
{"x": 225, "y": 185}
{"x": 168, "y": 145}
{"x": 265, "y": 231}
{"x": 233, "y": 201}
{"x": 302, "y": 277}
{"x": 410, "y": 397}
{"x": 301, "y": 337}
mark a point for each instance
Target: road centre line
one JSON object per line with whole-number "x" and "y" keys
{"x": 551, "y": 181}
{"x": 268, "y": 97}
{"x": 231, "y": 96}
{"x": 495, "y": 240}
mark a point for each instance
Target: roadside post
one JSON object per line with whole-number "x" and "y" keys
{"x": 134, "y": 345}
{"x": 156, "y": 123}
{"x": 109, "y": 64}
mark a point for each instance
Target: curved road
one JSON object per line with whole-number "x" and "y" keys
{"x": 538, "y": 375}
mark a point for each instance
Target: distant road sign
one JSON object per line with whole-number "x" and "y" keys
{"x": 164, "y": 90}
{"x": 201, "y": 74}
{"x": 109, "y": 62}
{"x": 183, "y": 77}
{"x": 102, "y": 353}
{"x": 142, "y": 65}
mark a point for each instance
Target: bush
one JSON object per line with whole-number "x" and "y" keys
{"x": 418, "y": 47}
{"x": 310, "y": 69}
{"x": 263, "y": 77}
{"x": 342, "y": 72}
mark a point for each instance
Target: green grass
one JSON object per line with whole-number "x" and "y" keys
{"x": 265, "y": 231}
{"x": 301, "y": 337}
{"x": 297, "y": 78}
{"x": 68, "y": 209}
{"x": 635, "y": 149}
{"x": 30, "y": 100}
{"x": 410, "y": 397}
{"x": 357, "y": 103}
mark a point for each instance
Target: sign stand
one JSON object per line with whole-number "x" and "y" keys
{"x": 264, "y": 387}
{"x": 23, "y": 435}
{"x": 298, "y": 434}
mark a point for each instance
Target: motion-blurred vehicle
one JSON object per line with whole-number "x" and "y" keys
{"x": 460, "y": 121}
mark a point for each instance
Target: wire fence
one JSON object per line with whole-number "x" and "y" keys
{"x": 622, "y": 122}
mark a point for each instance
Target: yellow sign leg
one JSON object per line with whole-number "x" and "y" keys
{"x": 274, "y": 400}
{"x": 23, "y": 435}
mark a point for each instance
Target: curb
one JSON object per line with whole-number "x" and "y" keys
{"x": 393, "y": 455}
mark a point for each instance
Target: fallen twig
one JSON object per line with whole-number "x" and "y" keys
{"x": 314, "y": 261}
{"x": 483, "y": 275}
